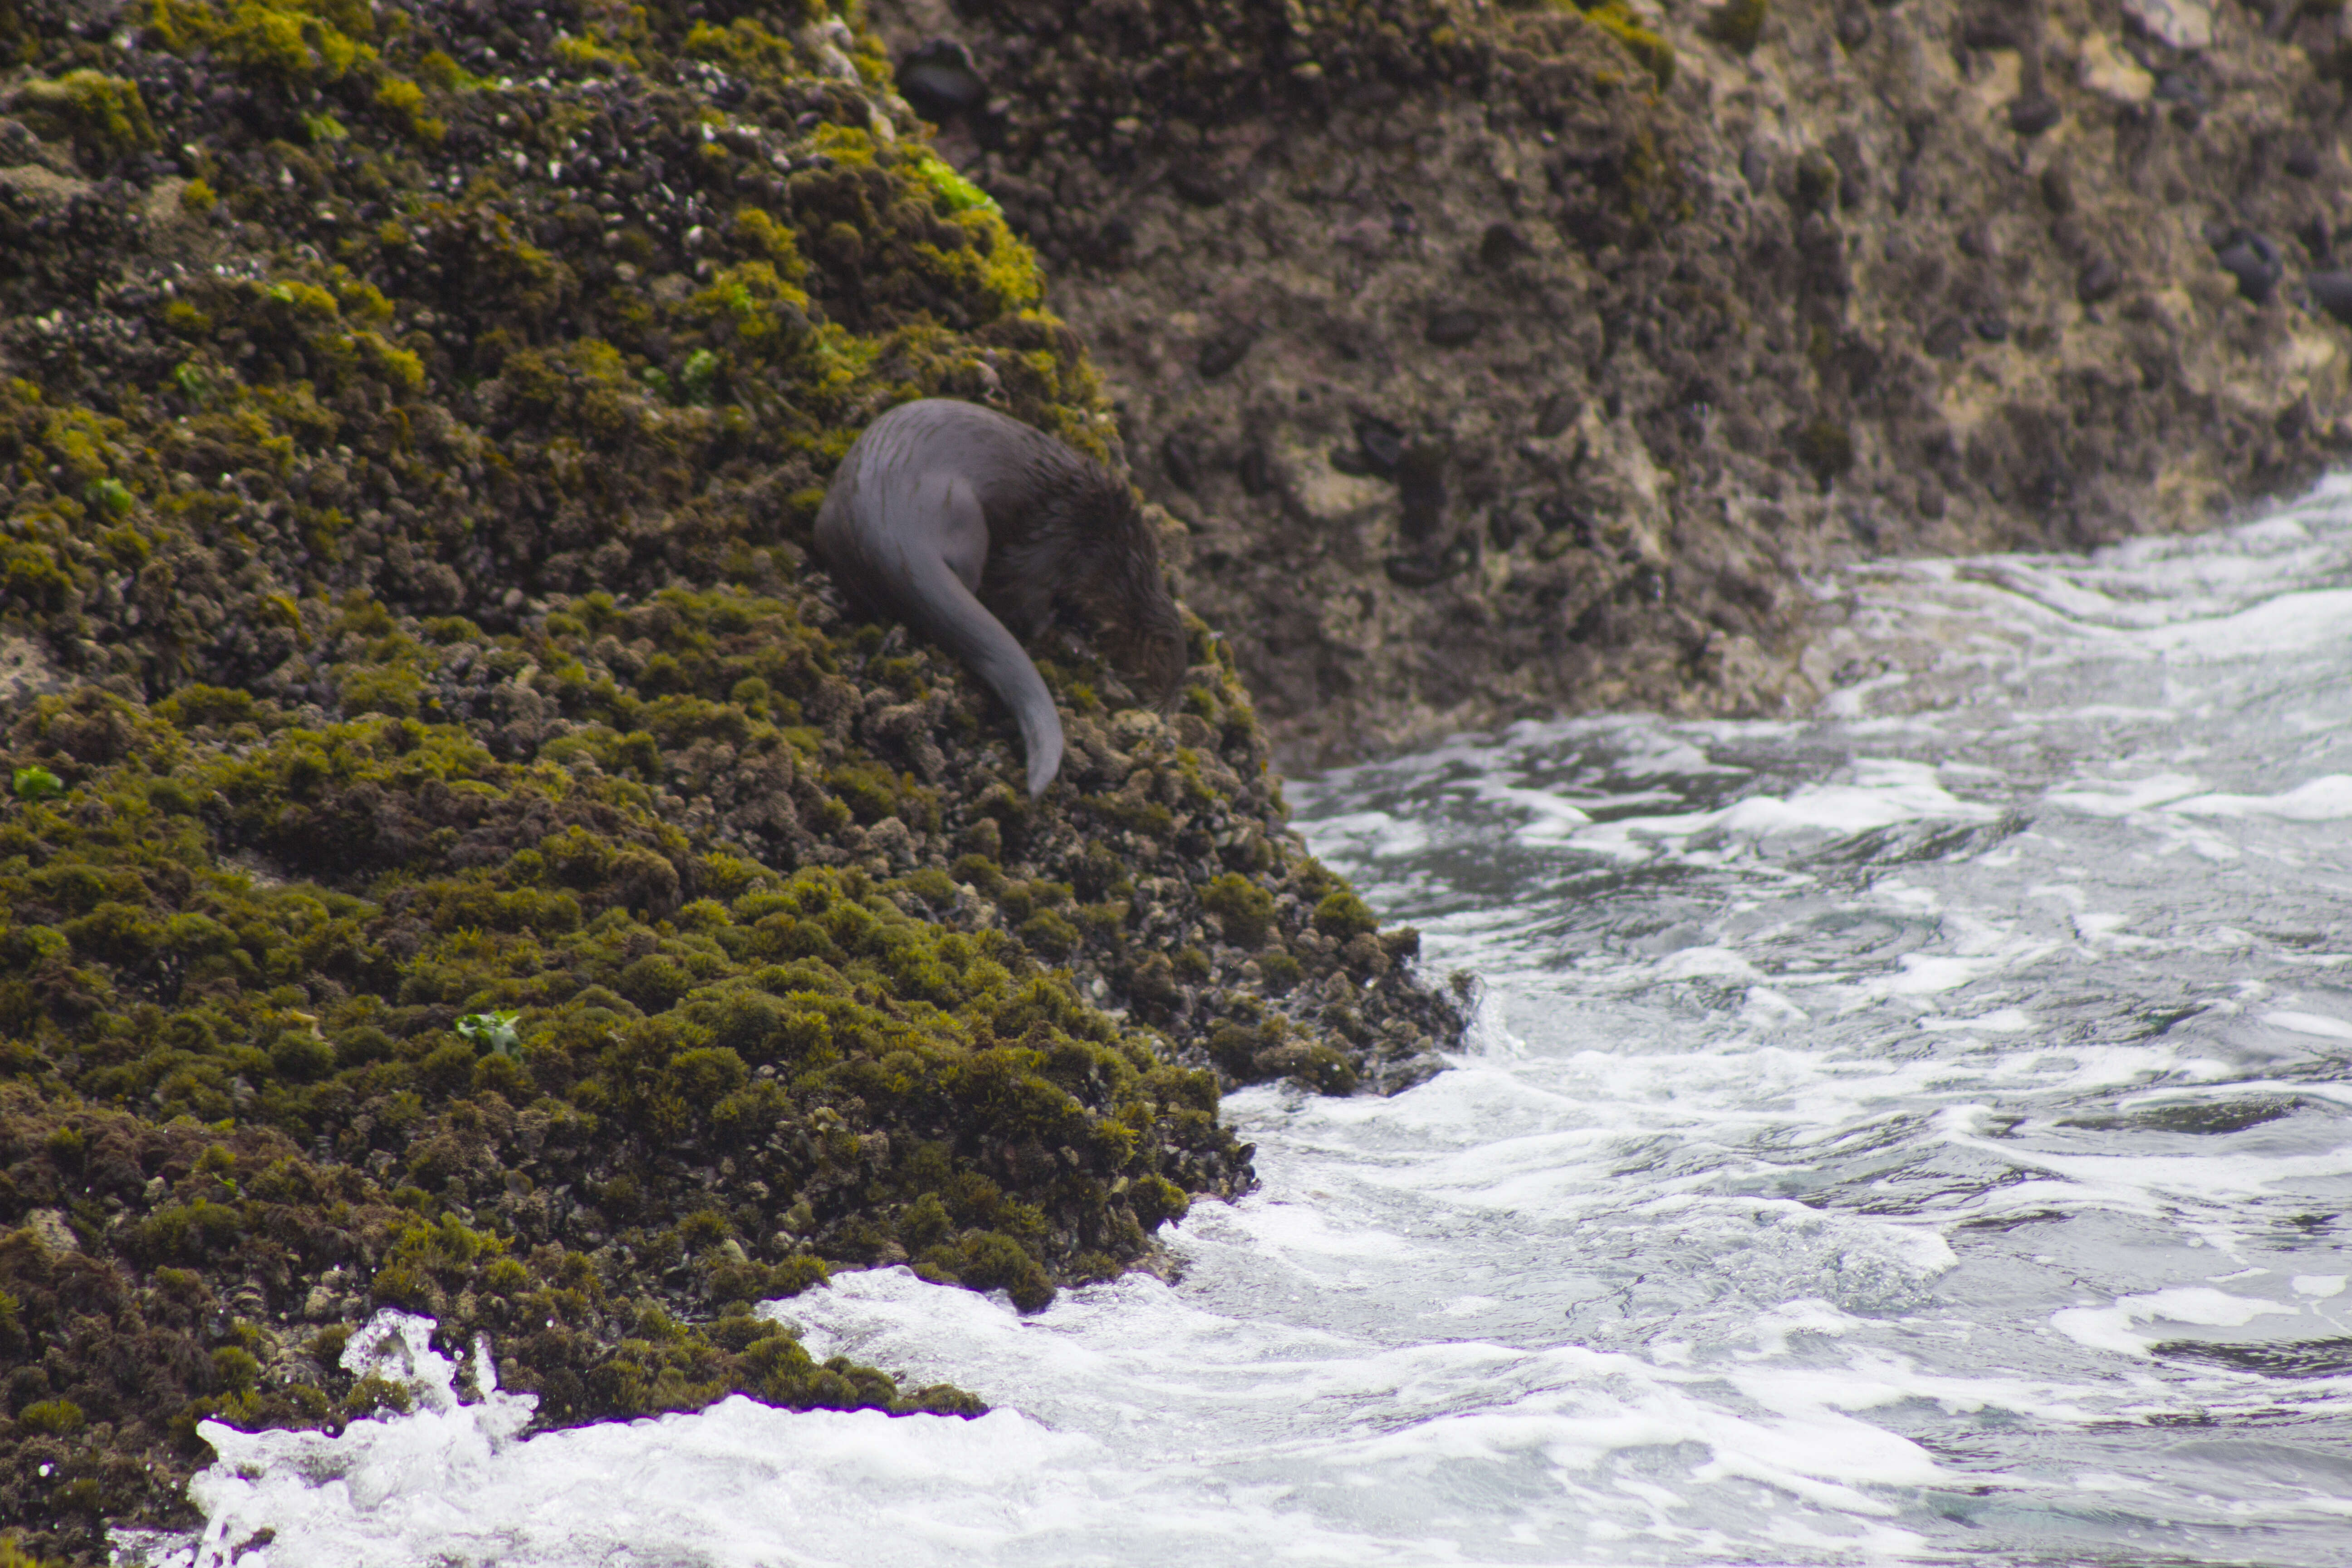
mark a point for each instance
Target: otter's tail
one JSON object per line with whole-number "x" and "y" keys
{"x": 938, "y": 602}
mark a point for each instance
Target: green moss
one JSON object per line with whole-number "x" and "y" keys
{"x": 286, "y": 46}
{"x": 52, "y": 1417}
{"x": 989, "y": 1261}
{"x": 1246, "y": 909}
{"x": 1650, "y": 51}
{"x": 1341, "y": 915}
{"x": 1324, "y": 1070}
{"x": 14, "y": 1555}
{"x": 955, "y": 193}
{"x": 102, "y": 115}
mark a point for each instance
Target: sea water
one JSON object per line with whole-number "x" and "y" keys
{"x": 1919, "y": 1132}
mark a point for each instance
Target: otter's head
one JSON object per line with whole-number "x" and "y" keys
{"x": 1135, "y": 620}
{"x": 1153, "y": 656}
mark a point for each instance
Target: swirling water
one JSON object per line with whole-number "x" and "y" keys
{"x": 1918, "y": 1133}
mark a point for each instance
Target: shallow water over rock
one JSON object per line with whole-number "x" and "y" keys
{"x": 1920, "y": 1133}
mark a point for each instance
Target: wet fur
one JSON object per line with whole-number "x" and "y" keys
{"x": 901, "y": 530}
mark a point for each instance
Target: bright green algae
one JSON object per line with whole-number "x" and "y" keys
{"x": 459, "y": 857}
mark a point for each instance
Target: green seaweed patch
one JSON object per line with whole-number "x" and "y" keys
{"x": 35, "y": 783}
{"x": 956, "y": 192}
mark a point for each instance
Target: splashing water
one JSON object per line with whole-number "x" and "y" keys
{"x": 1917, "y": 1134}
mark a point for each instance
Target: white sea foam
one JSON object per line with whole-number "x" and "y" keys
{"x": 2109, "y": 1328}
{"x": 2319, "y": 1024}
{"x": 1884, "y": 793}
{"x": 2324, "y": 799}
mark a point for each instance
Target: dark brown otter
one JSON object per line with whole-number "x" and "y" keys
{"x": 965, "y": 523}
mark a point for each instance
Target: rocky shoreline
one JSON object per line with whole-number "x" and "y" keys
{"x": 459, "y": 854}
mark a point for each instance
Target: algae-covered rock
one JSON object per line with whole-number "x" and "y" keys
{"x": 459, "y": 855}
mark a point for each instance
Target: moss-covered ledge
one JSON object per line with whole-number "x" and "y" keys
{"x": 455, "y": 852}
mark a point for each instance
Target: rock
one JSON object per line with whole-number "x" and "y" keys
{"x": 1225, "y": 350}
{"x": 1417, "y": 571}
{"x": 1556, "y": 413}
{"x": 1817, "y": 180}
{"x": 1501, "y": 244}
{"x": 1180, "y": 460}
{"x": 2302, "y": 161}
{"x": 1134, "y": 729}
{"x": 1453, "y": 327}
{"x": 1427, "y": 568}
{"x": 1562, "y": 518}
{"x": 26, "y": 669}
{"x": 2106, "y": 69}
{"x": 1992, "y": 327}
{"x": 2187, "y": 97}
{"x": 1197, "y": 187}
{"x": 1256, "y": 471}
{"x": 1737, "y": 26}
{"x": 454, "y": 497}
{"x": 1421, "y": 487}
{"x": 2031, "y": 115}
{"x": 1854, "y": 27}
{"x": 941, "y": 81}
{"x": 2254, "y": 262}
{"x": 2183, "y": 24}
{"x": 2098, "y": 281}
{"x": 2331, "y": 292}
{"x": 1755, "y": 167}
{"x": 49, "y": 1228}
{"x": 1379, "y": 443}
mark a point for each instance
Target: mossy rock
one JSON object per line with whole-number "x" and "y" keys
{"x": 1737, "y": 26}
{"x": 1650, "y": 51}
{"x": 413, "y": 552}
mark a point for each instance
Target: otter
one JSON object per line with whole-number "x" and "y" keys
{"x": 974, "y": 527}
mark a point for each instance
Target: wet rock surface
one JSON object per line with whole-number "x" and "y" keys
{"x": 1751, "y": 289}
{"x": 455, "y": 853}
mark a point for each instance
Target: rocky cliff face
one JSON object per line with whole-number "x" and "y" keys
{"x": 1505, "y": 360}
{"x": 455, "y": 852}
